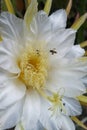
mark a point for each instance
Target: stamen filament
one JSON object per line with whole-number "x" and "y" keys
{"x": 48, "y": 6}
{"x": 83, "y": 44}
{"x": 77, "y": 121}
{"x": 69, "y": 7}
{"x": 9, "y": 6}
{"x": 79, "y": 22}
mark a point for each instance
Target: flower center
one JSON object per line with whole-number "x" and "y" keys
{"x": 33, "y": 65}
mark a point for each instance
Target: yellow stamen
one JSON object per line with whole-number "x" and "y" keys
{"x": 69, "y": 7}
{"x": 78, "y": 122}
{"x": 79, "y": 22}
{"x": 48, "y": 6}
{"x": 83, "y": 44}
{"x": 34, "y": 65}
{"x": 9, "y": 6}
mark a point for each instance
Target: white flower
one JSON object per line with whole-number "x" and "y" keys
{"x": 37, "y": 61}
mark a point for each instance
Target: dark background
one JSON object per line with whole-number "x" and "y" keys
{"x": 79, "y": 7}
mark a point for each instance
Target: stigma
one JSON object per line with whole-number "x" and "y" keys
{"x": 58, "y": 106}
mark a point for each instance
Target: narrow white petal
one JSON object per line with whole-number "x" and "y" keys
{"x": 71, "y": 87}
{"x": 4, "y": 75}
{"x": 68, "y": 75}
{"x": 72, "y": 106}
{"x": 11, "y": 27}
{"x": 74, "y": 88}
{"x": 65, "y": 123}
{"x": 46, "y": 116}
{"x": 58, "y": 19}
{"x": 75, "y": 52}
{"x": 39, "y": 126}
{"x": 84, "y": 80}
{"x": 10, "y": 92}
{"x": 55, "y": 123}
{"x": 11, "y": 116}
{"x": 40, "y": 28}
{"x": 9, "y": 52}
{"x": 31, "y": 111}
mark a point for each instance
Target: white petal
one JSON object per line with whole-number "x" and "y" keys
{"x": 10, "y": 92}
{"x": 84, "y": 80}
{"x": 54, "y": 123}
{"x": 58, "y": 19}
{"x": 62, "y": 41}
{"x": 74, "y": 89}
{"x": 38, "y": 127}
{"x": 4, "y": 75}
{"x": 65, "y": 123}
{"x": 75, "y": 52}
{"x": 9, "y": 52}
{"x": 71, "y": 87}
{"x": 72, "y": 106}
{"x": 31, "y": 111}
{"x": 11, "y": 116}
{"x": 11, "y": 27}
{"x": 40, "y": 27}
{"x": 46, "y": 116}
{"x": 68, "y": 76}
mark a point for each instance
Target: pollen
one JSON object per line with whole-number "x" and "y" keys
{"x": 34, "y": 67}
